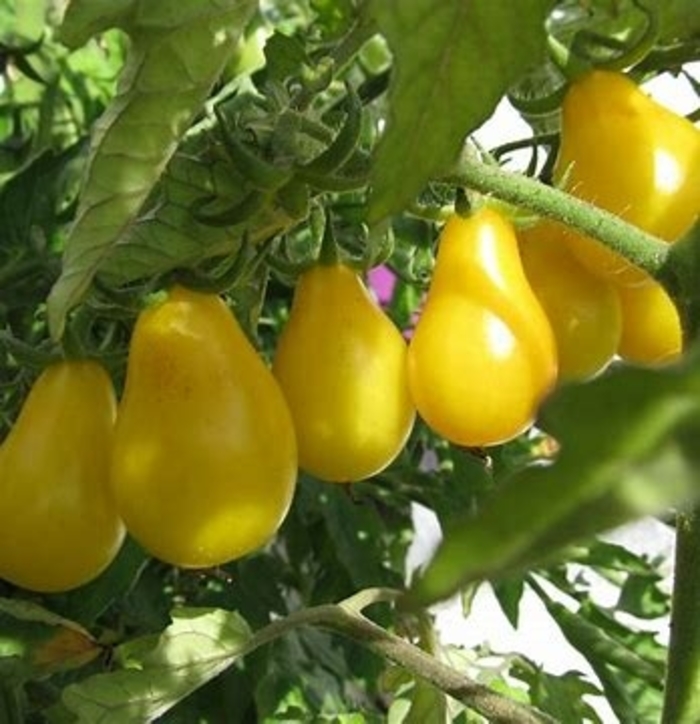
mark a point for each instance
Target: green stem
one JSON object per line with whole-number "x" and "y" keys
{"x": 640, "y": 248}
{"x": 682, "y": 702}
{"x": 345, "y": 619}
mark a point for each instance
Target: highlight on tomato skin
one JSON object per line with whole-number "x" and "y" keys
{"x": 205, "y": 459}
{"x": 341, "y": 363}
{"x": 59, "y": 525}
{"x": 483, "y": 355}
{"x": 583, "y": 308}
{"x": 628, "y": 154}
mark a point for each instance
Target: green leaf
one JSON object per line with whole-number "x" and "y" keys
{"x": 642, "y": 597}
{"x": 561, "y": 695}
{"x": 178, "y": 51}
{"x": 607, "y": 641}
{"x": 508, "y": 592}
{"x": 628, "y": 449}
{"x": 355, "y": 534}
{"x": 453, "y": 62}
{"x": 82, "y": 19}
{"x": 45, "y": 642}
{"x": 679, "y": 19}
{"x": 160, "y": 670}
{"x": 629, "y": 664}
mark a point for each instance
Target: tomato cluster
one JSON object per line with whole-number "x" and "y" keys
{"x": 198, "y": 461}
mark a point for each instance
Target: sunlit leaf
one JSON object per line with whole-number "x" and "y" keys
{"x": 178, "y": 50}
{"x": 453, "y": 61}
{"x": 161, "y": 670}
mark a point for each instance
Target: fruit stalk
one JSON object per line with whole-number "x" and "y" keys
{"x": 638, "y": 247}
{"x": 682, "y": 699}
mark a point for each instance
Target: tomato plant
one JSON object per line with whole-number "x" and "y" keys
{"x": 172, "y": 176}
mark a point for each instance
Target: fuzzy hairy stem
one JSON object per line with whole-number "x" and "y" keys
{"x": 346, "y": 619}
{"x": 642, "y": 249}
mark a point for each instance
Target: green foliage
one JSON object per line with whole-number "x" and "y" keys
{"x": 210, "y": 143}
{"x": 175, "y": 56}
{"x": 437, "y": 96}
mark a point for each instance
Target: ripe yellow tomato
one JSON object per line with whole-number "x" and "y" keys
{"x": 205, "y": 461}
{"x": 583, "y": 309}
{"x": 341, "y": 363}
{"x": 651, "y": 328}
{"x": 626, "y": 153}
{"x": 59, "y": 526}
{"x": 483, "y": 354}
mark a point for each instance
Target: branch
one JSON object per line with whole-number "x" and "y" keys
{"x": 682, "y": 700}
{"x": 642, "y": 249}
{"x": 345, "y": 619}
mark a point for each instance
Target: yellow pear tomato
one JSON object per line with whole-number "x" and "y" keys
{"x": 625, "y": 153}
{"x": 651, "y": 327}
{"x": 583, "y": 309}
{"x": 205, "y": 459}
{"x": 341, "y": 363}
{"x": 59, "y": 526}
{"x": 483, "y": 354}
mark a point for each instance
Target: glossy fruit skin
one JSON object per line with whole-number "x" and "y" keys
{"x": 583, "y": 309}
{"x": 483, "y": 354}
{"x": 626, "y": 153}
{"x": 59, "y": 526}
{"x": 205, "y": 461}
{"x": 341, "y": 363}
{"x": 651, "y": 328}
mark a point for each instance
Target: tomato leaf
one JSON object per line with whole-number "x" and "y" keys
{"x": 562, "y": 695}
{"x": 627, "y": 450}
{"x": 678, "y": 18}
{"x": 45, "y": 642}
{"x": 158, "y": 671}
{"x": 453, "y": 61}
{"x": 629, "y": 664}
{"x": 177, "y": 52}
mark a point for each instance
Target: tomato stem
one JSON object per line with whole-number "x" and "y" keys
{"x": 345, "y": 618}
{"x": 682, "y": 701}
{"x": 640, "y": 248}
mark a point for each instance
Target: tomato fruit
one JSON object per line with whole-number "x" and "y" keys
{"x": 651, "y": 328}
{"x": 59, "y": 526}
{"x": 626, "y": 153}
{"x": 341, "y": 363}
{"x": 205, "y": 462}
{"x": 583, "y": 309}
{"x": 483, "y": 353}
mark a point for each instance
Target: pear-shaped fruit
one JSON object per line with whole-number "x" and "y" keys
{"x": 205, "y": 459}
{"x": 651, "y": 327}
{"x": 59, "y": 526}
{"x": 583, "y": 308}
{"x": 483, "y": 355}
{"x": 341, "y": 363}
{"x": 626, "y": 153}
